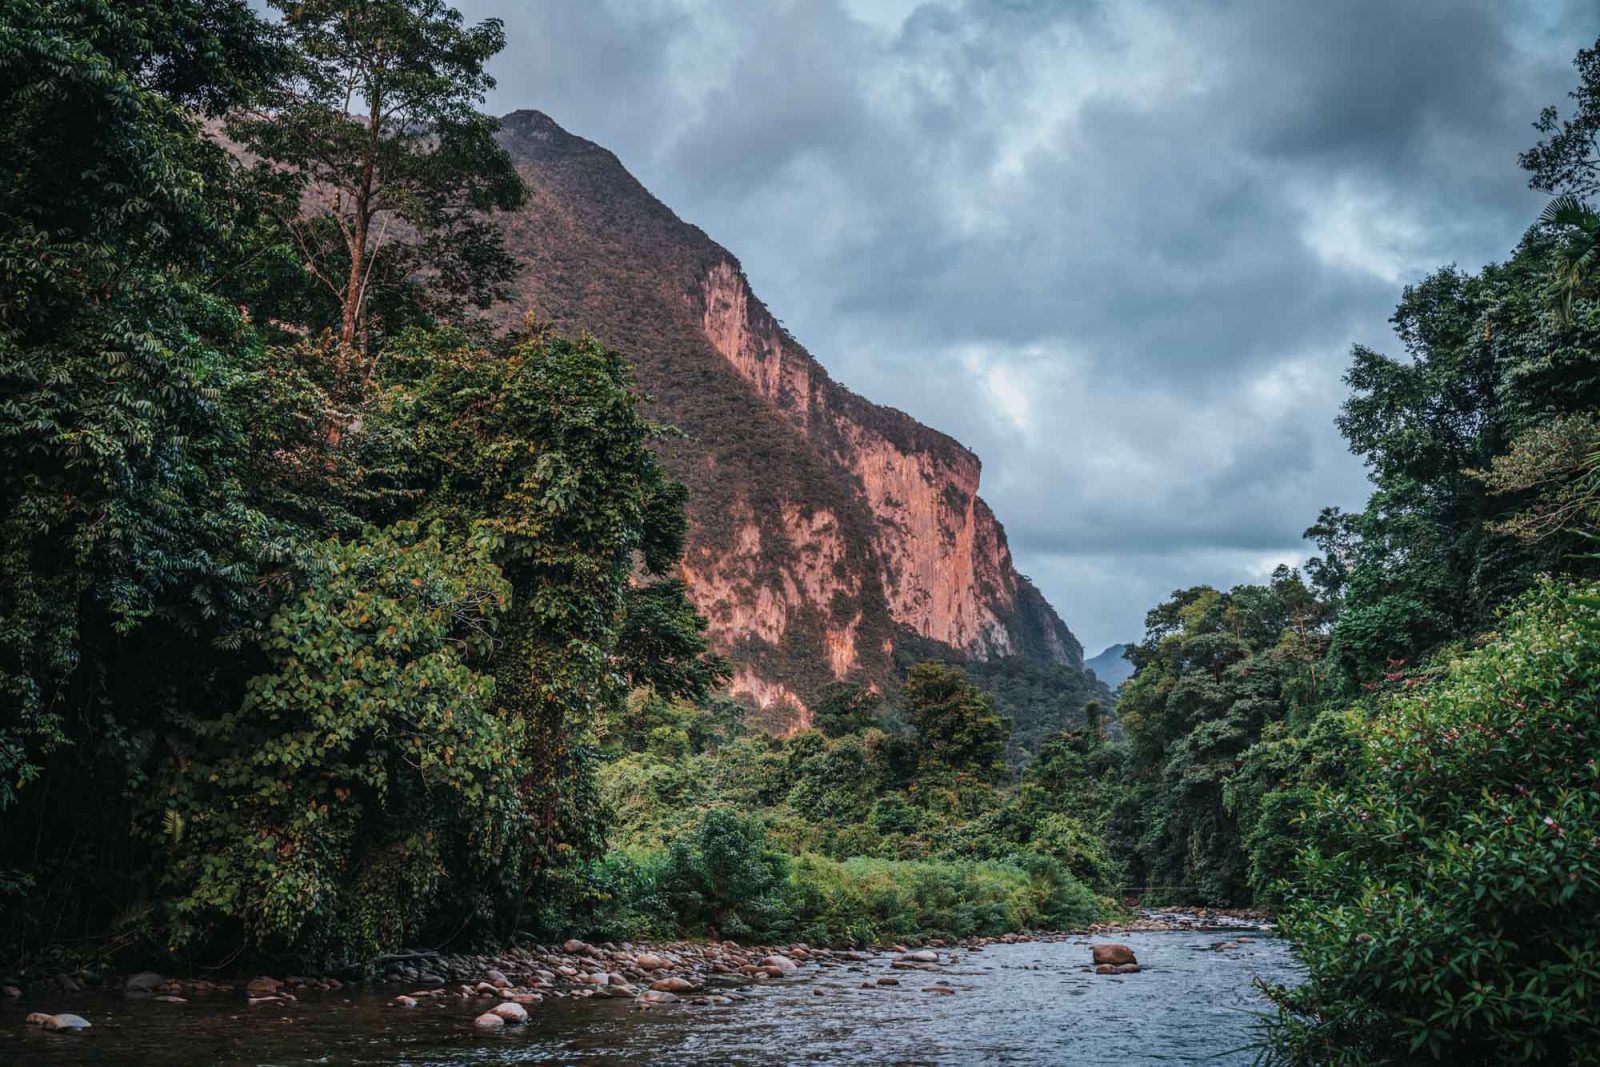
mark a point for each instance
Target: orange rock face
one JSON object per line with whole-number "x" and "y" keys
{"x": 946, "y": 570}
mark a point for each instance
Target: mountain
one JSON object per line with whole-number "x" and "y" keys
{"x": 825, "y": 530}
{"x": 1110, "y": 666}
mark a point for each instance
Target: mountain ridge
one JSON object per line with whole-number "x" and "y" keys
{"x": 823, "y": 526}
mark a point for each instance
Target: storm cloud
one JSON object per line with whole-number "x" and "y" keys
{"x": 1121, "y": 250}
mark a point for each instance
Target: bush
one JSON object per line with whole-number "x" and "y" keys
{"x": 1449, "y": 902}
{"x": 722, "y": 879}
{"x": 864, "y": 900}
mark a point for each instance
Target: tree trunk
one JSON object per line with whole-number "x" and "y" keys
{"x": 355, "y": 286}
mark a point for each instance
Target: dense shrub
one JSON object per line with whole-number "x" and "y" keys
{"x": 722, "y": 879}
{"x": 1448, "y": 906}
{"x": 321, "y": 814}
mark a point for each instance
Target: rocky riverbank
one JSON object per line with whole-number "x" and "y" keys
{"x": 503, "y": 986}
{"x": 1036, "y": 1001}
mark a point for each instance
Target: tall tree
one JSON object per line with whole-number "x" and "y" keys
{"x": 1568, "y": 159}
{"x": 128, "y": 546}
{"x": 388, "y": 169}
{"x": 956, "y": 724}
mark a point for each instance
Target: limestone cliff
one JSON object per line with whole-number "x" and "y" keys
{"x": 823, "y": 527}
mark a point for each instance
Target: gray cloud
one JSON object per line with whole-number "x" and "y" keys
{"x": 1119, "y": 249}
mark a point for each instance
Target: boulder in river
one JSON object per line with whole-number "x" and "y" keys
{"x": 673, "y": 985}
{"x": 657, "y": 996}
{"x": 488, "y": 1021}
{"x": 778, "y": 966}
{"x": 66, "y": 1021}
{"x": 262, "y": 986}
{"x": 510, "y": 1011}
{"x": 921, "y": 956}
{"x": 1126, "y": 968}
{"x": 649, "y": 961}
{"x": 143, "y": 984}
{"x": 403, "y": 1001}
{"x": 1114, "y": 954}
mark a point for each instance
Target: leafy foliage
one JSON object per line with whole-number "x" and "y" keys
{"x": 367, "y": 766}
{"x": 1447, "y": 901}
{"x": 1214, "y": 672}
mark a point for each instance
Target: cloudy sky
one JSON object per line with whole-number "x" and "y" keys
{"x": 1120, "y": 249}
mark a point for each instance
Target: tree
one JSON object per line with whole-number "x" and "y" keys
{"x": 1580, "y": 224}
{"x": 385, "y": 167}
{"x": 543, "y": 447}
{"x": 1425, "y": 562}
{"x": 845, "y": 708}
{"x": 1216, "y": 672}
{"x": 722, "y": 879}
{"x": 956, "y": 724}
{"x": 1568, "y": 159}
{"x": 130, "y": 547}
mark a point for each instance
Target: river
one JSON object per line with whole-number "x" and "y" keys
{"x": 1029, "y": 1003}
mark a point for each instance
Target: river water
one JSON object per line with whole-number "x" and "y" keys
{"x": 1032, "y": 1003}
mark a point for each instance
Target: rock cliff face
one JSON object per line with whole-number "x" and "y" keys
{"x": 823, "y": 528}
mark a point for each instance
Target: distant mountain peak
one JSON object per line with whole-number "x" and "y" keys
{"x": 1111, "y": 666}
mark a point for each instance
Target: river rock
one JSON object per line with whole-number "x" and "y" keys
{"x": 143, "y": 983}
{"x": 488, "y": 1021}
{"x": 262, "y": 986}
{"x": 574, "y": 946}
{"x": 36, "y": 1018}
{"x": 170, "y": 998}
{"x": 778, "y": 965}
{"x": 672, "y": 985}
{"x": 943, "y": 990}
{"x": 497, "y": 979}
{"x": 648, "y": 961}
{"x": 657, "y": 996}
{"x": 888, "y": 981}
{"x": 1114, "y": 954}
{"x": 920, "y": 956}
{"x": 510, "y": 1011}
{"x": 1105, "y": 968}
{"x": 66, "y": 1021}
{"x": 1126, "y": 968}
{"x": 403, "y": 1001}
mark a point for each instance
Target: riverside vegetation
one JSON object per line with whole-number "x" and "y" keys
{"x": 363, "y": 619}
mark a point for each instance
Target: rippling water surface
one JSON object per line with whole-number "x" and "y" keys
{"x": 1015, "y": 1004}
